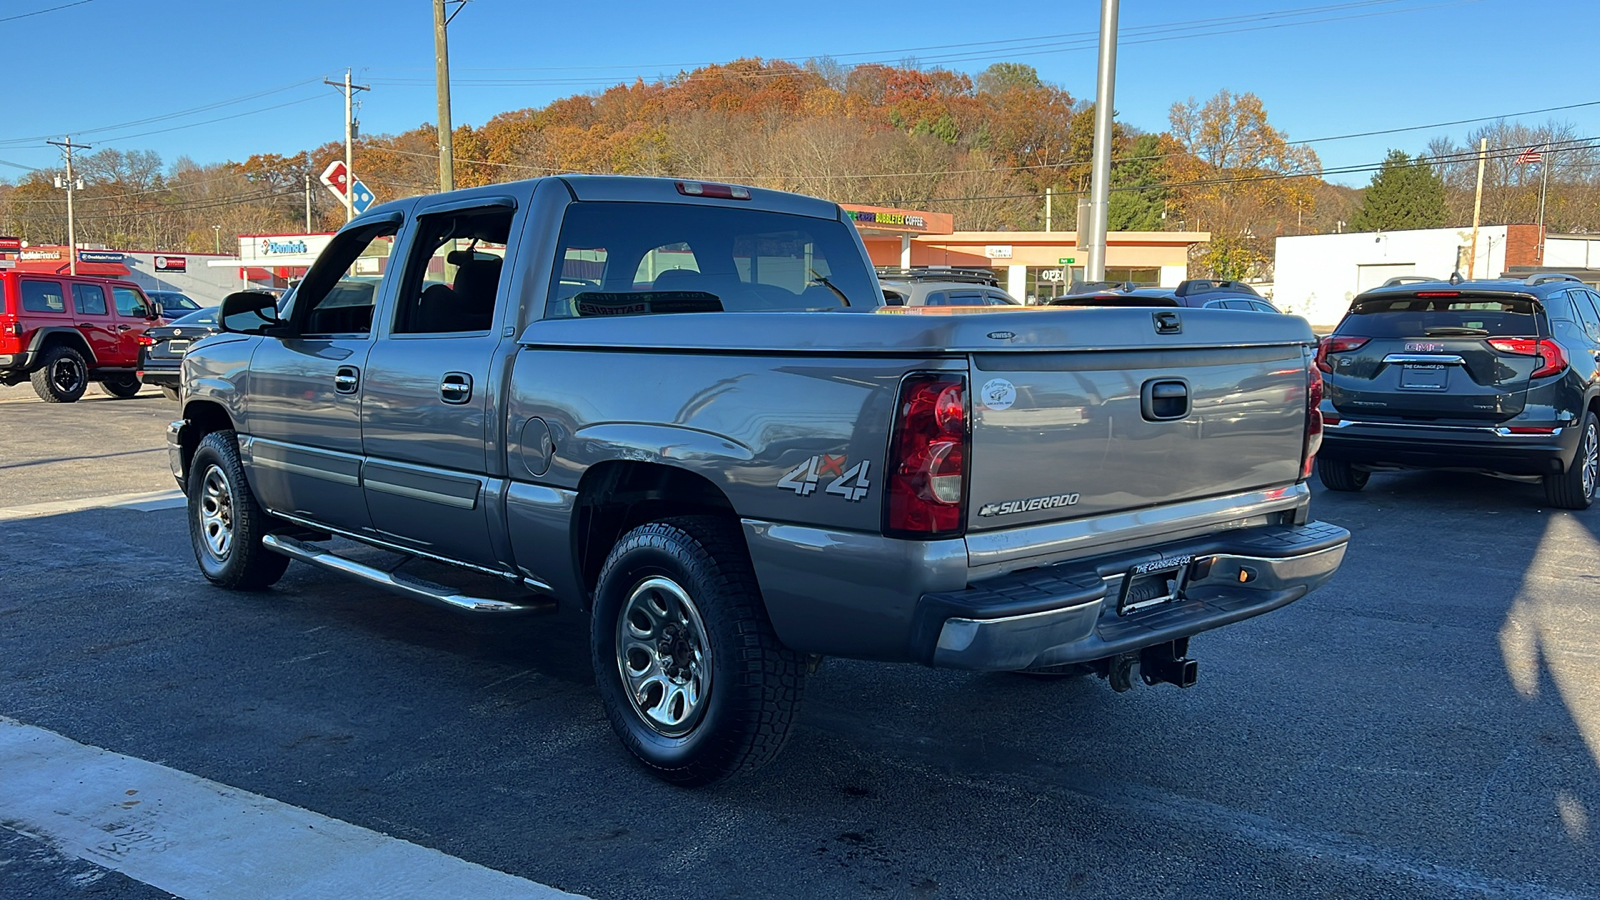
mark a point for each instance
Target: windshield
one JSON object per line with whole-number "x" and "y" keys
{"x": 1421, "y": 315}
{"x": 206, "y": 317}
{"x": 630, "y": 259}
{"x": 173, "y": 302}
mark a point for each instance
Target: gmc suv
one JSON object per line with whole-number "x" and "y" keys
{"x": 1499, "y": 376}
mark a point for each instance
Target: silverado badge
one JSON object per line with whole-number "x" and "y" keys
{"x": 1011, "y": 507}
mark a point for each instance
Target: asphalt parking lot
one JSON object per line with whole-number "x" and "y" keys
{"x": 1428, "y": 725}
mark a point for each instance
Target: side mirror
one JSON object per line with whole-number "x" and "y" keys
{"x": 249, "y": 312}
{"x": 155, "y": 310}
{"x": 890, "y": 298}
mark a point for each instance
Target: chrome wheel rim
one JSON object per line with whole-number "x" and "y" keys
{"x": 1591, "y": 458}
{"x": 216, "y": 512}
{"x": 663, "y": 656}
{"x": 64, "y": 375}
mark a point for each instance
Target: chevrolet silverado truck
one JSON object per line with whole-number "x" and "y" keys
{"x": 681, "y": 411}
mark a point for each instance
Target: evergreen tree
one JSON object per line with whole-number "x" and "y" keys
{"x": 1403, "y": 194}
{"x": 1141, "y": 167}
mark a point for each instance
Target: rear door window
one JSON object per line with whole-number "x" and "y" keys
{"x": 635, "y": 258}
{"x": 1448, "y": 316}
{"x": 43, "y": 297}
{"x": 89, "y": 299}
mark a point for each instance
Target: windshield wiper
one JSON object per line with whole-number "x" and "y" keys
{"x": 823, "y": 280}
{"x": 1442, "y": 330}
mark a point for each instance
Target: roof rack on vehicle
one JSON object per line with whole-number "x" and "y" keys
{"x": 1409, "y": 279}
{"x": 1542, "y": 277}
{"x": 1209, "y": 285}
{"x": 969, "y": 274}
{"x": 1094, "y": 287}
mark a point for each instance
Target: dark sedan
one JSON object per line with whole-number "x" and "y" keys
{"x": 161, "y": 349}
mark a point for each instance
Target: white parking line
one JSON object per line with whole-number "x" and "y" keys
{"x": 148, "y": 501}
{"x": 197, "y": 838}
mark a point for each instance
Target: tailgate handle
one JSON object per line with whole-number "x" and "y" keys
{"x": 1164, "y": 400}
{"x": 1167, "y": 322}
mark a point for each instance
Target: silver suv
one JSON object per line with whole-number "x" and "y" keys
{"x": 942, "y": 286}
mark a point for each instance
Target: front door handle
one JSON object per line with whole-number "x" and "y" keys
{"x": 346, "y": 379}
{"x": 455, "y": 387}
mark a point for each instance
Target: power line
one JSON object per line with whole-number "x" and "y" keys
{"x": 167, "y": 116}
{"x": 40, "y": 12}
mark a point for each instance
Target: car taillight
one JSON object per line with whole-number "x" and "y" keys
{"x": 146, "y": 341}
{"x": 1313, "y": 443}
{"x": 928, "y": 458}
{"x": 1551, "y": 359}
{"x": 1336, "y": 344}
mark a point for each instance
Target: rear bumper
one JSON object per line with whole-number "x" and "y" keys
{"x": 161, "y": 373}
{"x": 1069, "y": 613}
{"x": 1450, "y": 447}
{"x": 17, "y": 364}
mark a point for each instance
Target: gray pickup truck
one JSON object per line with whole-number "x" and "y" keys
{"x": 681, "y": 411}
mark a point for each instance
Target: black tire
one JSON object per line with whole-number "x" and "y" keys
{"x": 749, "y": 695}
{"x": 121, "y": 387}
{"x": 1338, "y": 475}
{"x": 171, "y": 393}
{"x": 225, "y": 522}
{"x": 62, "y": 375}
{"x": 1575, "y": 488}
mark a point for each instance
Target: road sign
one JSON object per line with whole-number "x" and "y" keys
{"x": 1065, "y": 261}
{"x": 360, "y": 197}
{"x": 336, "y": 177}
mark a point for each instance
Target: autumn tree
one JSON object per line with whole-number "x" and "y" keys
{"x": 1403, "y": 194}
{"x": 1237, "y": 177}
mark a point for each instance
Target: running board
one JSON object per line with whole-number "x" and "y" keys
{"x": 415, "y": 588}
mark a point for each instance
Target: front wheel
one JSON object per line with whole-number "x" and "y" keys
{"x": 121, "y": 387}
{"x": 226, "y": 524}
{"x": 1574, "y": 488}
{"x": 690, "y": 672}
{"x": 1338, "y": 475}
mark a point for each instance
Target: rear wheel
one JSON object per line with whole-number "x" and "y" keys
{"x": 1574, "y": 488}
{"x": 690, "y": 672}
{"x": 121, "y": 386}
{"x": 62, "y": 375}
{"x": 226, "y": 524}
{"x": 1338, "y": 475}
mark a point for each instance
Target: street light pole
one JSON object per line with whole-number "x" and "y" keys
{"x": 1100, "y": 164}
{"x": 72, "y": 187}
{"x": 441, "y": 66}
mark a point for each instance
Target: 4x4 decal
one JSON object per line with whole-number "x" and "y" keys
{"x": 850, "y": 483}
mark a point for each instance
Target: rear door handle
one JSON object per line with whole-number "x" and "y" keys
{"x": 455, "y": 387}
{"x": 124, "y": 327}
{"x": 346, "y": 379}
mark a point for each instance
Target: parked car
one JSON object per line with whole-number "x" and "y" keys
{"x": 174, "y": 305}
{"x": 679, "y": 419}
{"x": 61, "y": 332}
{"x": 1493, "y": 376}
{"x": 162, "y": 347}
{"x": 942, "y": 286}
{"x": 1197, "y": 293}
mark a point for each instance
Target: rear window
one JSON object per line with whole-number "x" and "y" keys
{"x": 201, "y": 317}
{"x": 635, "y": 258}
{"x": 1414, "y": 316}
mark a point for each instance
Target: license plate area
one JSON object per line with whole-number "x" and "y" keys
{"x": 177, "y": 346}
{"x": 1152, "y": 584}
{"x": 1424, "y": 377}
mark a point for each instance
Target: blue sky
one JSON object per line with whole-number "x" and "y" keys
{"x": 1361, "y": 65}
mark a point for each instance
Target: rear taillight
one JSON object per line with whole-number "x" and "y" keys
{"x": 146, "y": 341}
{"x": 1552, "y": 360}
{"x": 928, "y": 458}
{"x": 1313, "y": 443}
{"x": 1336, "y": 344}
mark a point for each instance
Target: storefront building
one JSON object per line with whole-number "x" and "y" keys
{"x": 186, "y": 273}
{"x": 1036, "y": 264}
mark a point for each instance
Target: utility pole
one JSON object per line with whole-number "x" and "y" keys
{"x": 72, "y": 185}
{"x": 1477, "y": 208}
{"x": 1544, "y": 186}
{"x": 308, "y": 201}
{"x": 1048, "y": 192}
{"x": 349, "y": 140}
{"x": 441, "y": 74}
{"x": 1100, "y": 165}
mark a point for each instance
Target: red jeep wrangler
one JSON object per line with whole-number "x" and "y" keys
{"x": 63, "y": 331}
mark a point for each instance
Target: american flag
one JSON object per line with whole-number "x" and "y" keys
{"x": 1530, "y": 156}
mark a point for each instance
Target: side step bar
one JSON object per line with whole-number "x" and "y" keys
{"x": 415, "y": 588}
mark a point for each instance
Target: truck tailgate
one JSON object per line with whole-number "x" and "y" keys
{"x": 1069, "y": 434}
